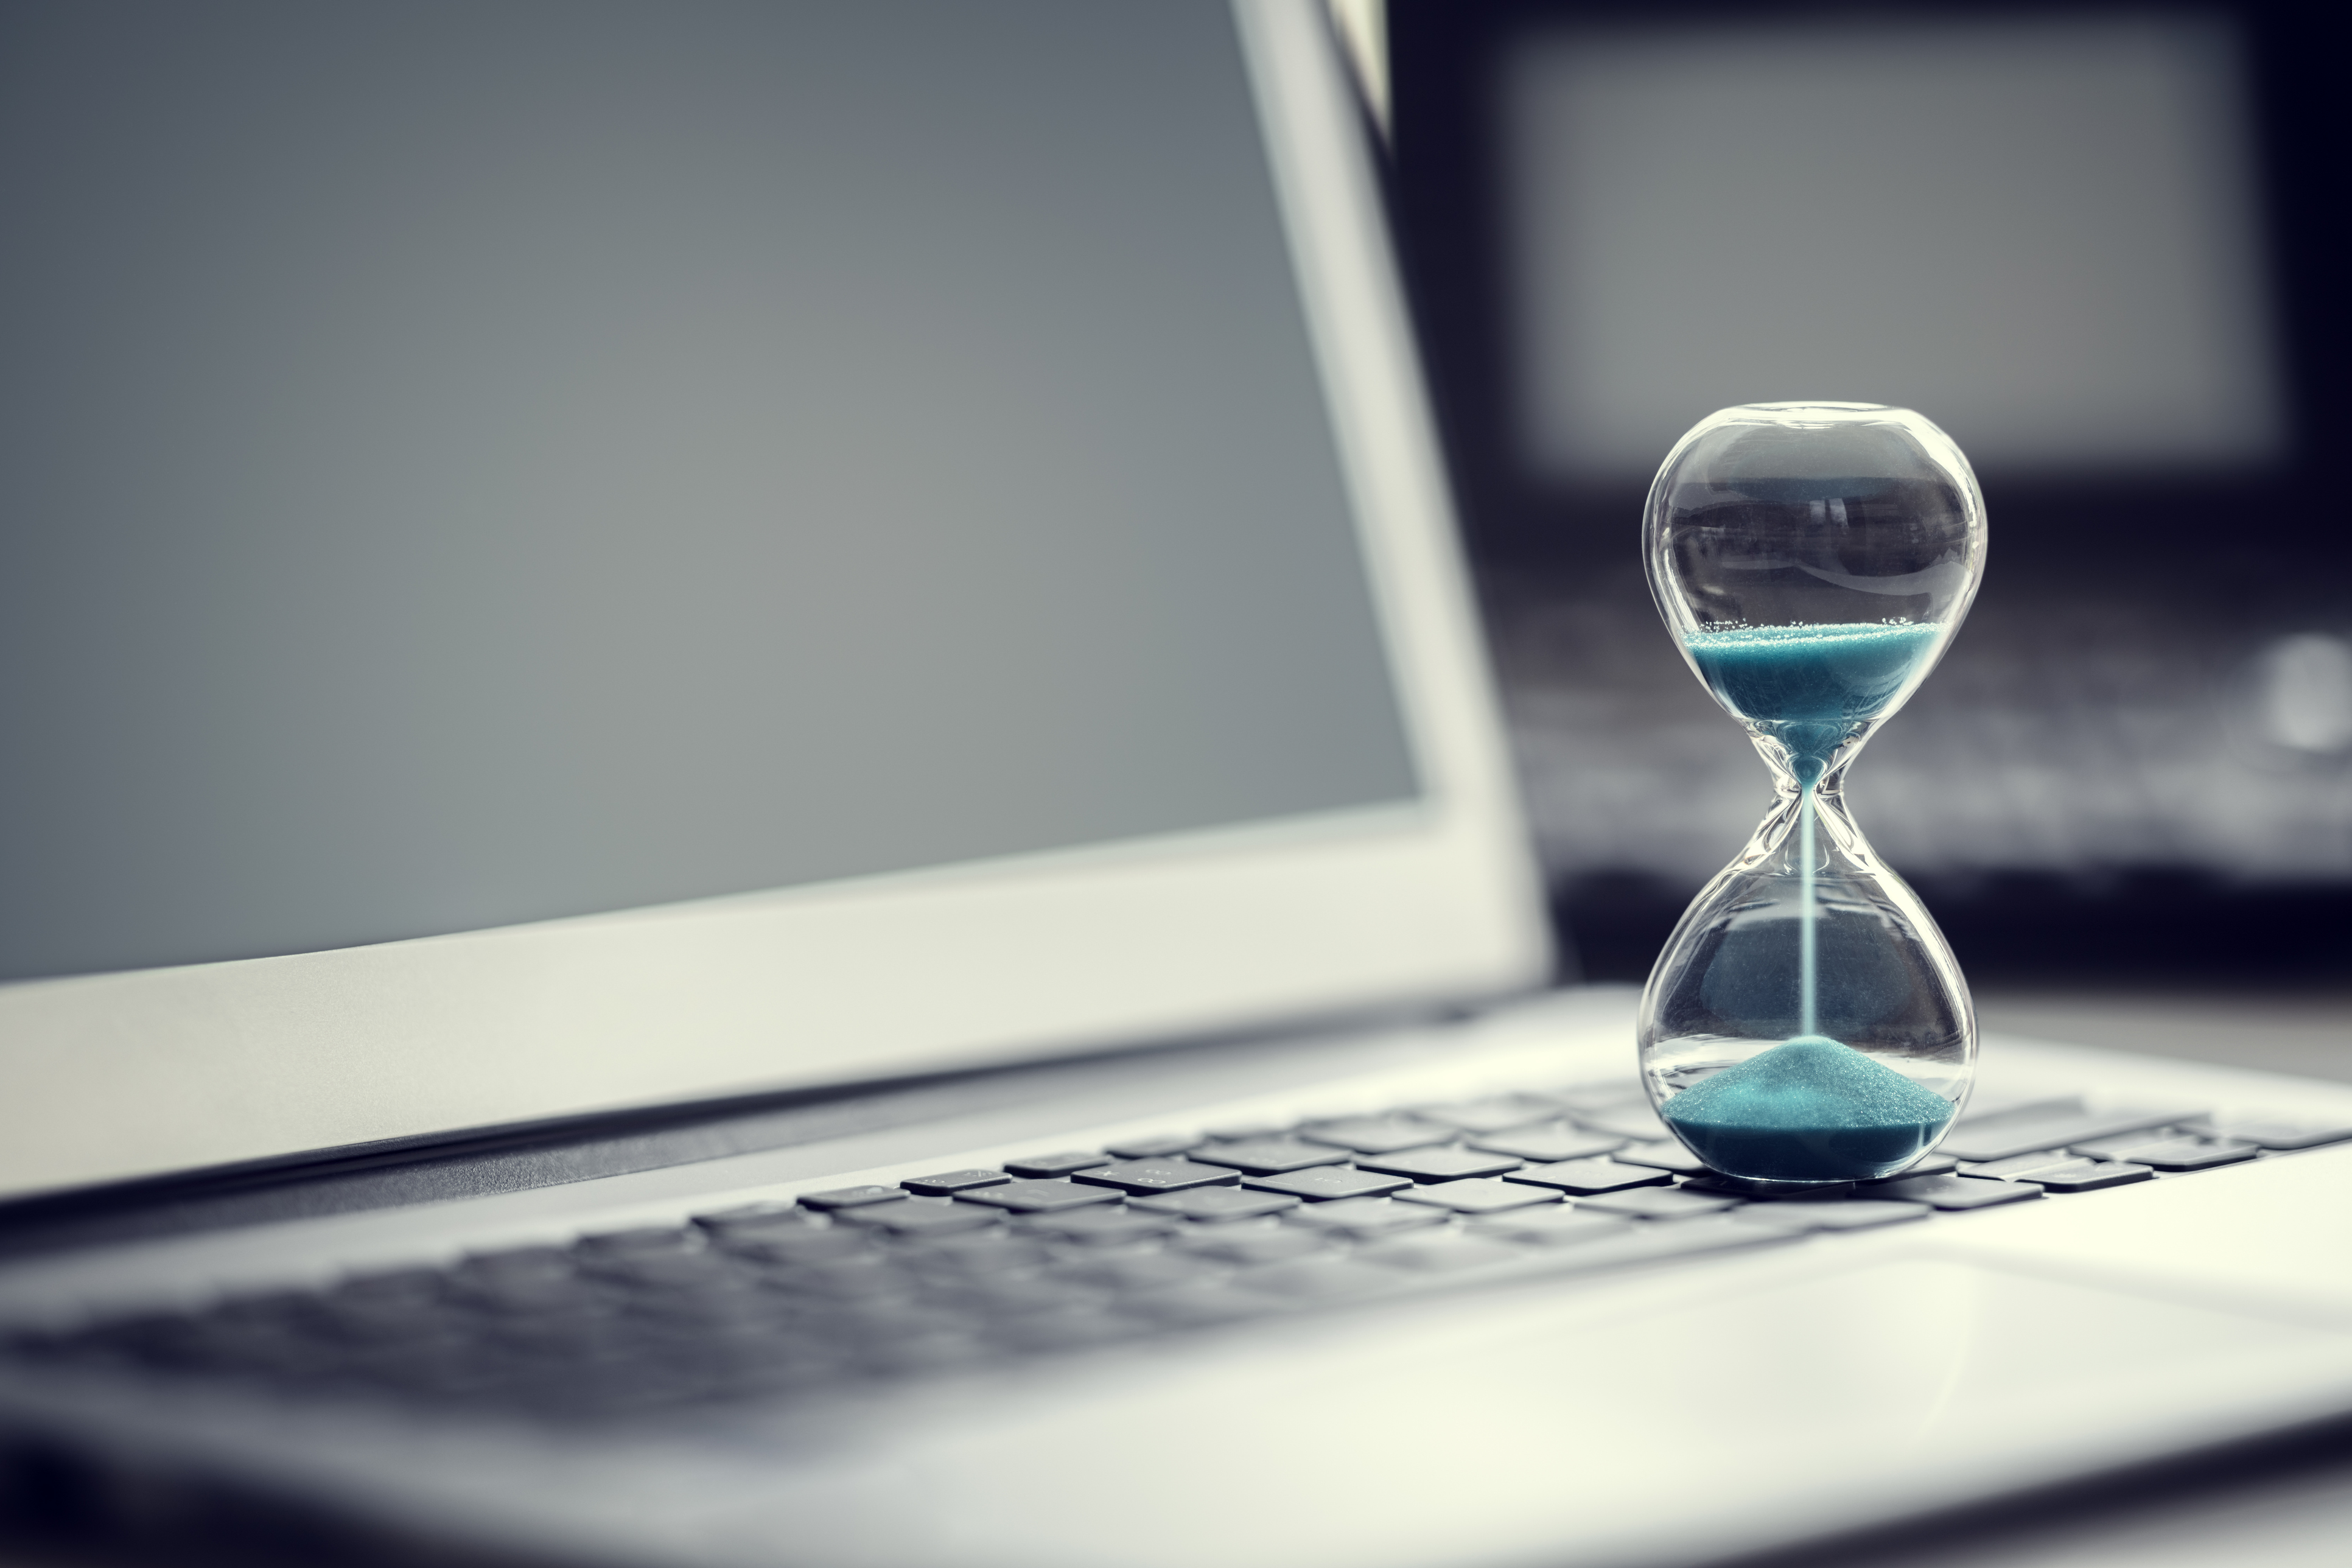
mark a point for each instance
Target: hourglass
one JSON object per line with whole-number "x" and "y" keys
{"x": 1806, "y": 1023}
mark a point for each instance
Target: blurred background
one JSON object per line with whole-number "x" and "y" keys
{"x": 2091, "y": 241}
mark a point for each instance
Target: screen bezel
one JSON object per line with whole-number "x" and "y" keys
{"x": 126, "y": 1075}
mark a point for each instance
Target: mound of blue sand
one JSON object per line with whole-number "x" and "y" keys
{"x": 1809, "y": 684}
{"x": 1808, "y": 1109}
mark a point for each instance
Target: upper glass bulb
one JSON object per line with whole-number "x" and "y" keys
{"x": 1811, "y": 559}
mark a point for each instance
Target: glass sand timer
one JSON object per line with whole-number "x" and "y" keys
{"x": 1806, "y": 1023}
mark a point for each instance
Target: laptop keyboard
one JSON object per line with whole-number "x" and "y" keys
{"x": 1085, "y": 1247}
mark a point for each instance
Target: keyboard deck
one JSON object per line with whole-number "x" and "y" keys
{"x": 1085, "y": 1247}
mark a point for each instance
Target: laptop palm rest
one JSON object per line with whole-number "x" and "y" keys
{"x": 1699, "y": 1430}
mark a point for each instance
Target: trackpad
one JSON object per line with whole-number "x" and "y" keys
{"x": 1528, "y": 1427}
{"x": 1917, "y": 1352}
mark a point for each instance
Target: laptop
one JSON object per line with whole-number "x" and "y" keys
{"x": 753, "y": 818}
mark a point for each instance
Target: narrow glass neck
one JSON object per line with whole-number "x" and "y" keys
{"x": 1808, "y": 827}
{"x": 1811, "y": 755}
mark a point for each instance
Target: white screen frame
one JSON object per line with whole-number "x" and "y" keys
{"x": 117, "y": 1077}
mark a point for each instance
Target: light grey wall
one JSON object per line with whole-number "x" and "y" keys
{"x": 465, "y": 463}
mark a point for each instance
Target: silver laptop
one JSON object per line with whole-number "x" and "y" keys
{"x": 798, "y": 672}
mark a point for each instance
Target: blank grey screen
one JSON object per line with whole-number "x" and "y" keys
{"x": 2041, "y": 234}
{"x": 467, "y": 464}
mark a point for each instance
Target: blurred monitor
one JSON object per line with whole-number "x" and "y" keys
{"x": 2043, "y": 229}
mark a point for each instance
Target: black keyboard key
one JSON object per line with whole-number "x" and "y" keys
{"x": 1954, "y": 1192}
{"x": 1984, "y": 1104}
{"x": 1039, "y": 1196}
{"x": 437, "y": 1370}
{"x": 1555, "y": 1141}
{"x": 986, "y": 1253}
{"x": 1217, "y": 1205}
{"x": 852, "y": 1197}
{"x": 1316, "y": 1278}
{"x": 1998, "y": 1135}
{"x": 920, "y": 1216}
{"x": 251, "y": 1349}
{"x": 1478, "y": 1195}
{"x": 1665, "y": 1155}
{"x": 1439, "y": 1164}
{"x": 871, "y": 1276}
{"x": 410, "y": 1283}
{"x": 1327, "y": 1183}
{"x": 2018, "y": 1165}
{"x": 1658, "y": 1203}
{"x": 1725, "y": 1186}
{"x": 1830, "y": 1214}
{"x": 755, "y": 1219}
{"x": 638, "y": 1242}
{"x": 1157, "y": 1148}
{"x": 1241, "y": 1131}
{"x": 1582, "y": 1097}
{"x": 1249, "y": 1246}
{"x": 569, "y": 1336}
{"x": 2170, "y": 1153}
{"x": 1132, "y": 1271}
{"x": 1146, "y": 1177}
{"x": 1101, "y": 1226}
{"x": 1069, "y": 1329}
{"x": 2270, "y": 1133}
{"x": 710, "y": 1303}
{"x": 1440, "y": 1254}
{"x": 516, "y": 1261}
{"x": 1557, "y": 1226}
{"x": 2116, "y": 1148}
{"x": 370, "y": 1321}
{"x": 1937, "y": 1164}
{"x": 1495, "y": 1114}
{"x": 859, "y": 1325}
{"x": 670, "y": 1270}
{"x": 527, "y": 1280}
{"x": 948, "y": 1184}
{"x": 1660, "y": 1243}
{"x": 1198, "y": 1306}
{"x": 1635, "y": 1120}
{"x": 994, "y": 1296}
{"x": 153, "y": 1339}
{"x": 1365, "y": 1217}
{"x": 1060, "y": 1165}
{"x": 804, "y": 1244}
{"x": 788, "y": 1370}
{"x": 276, "y": 1311}
{"x": 939, "y": 1351}
{"x": 2089, "y": 1175}
{"x": 1376, "y": 1134}
{"x": 1584, "y": 1176}
{"x": 389, "y": 1291}
{"x": 1269, "y": 1156}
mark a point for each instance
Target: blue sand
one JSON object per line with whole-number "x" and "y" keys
{"x": 1809, "y": 684}
{"x": 1808, "y": 1109}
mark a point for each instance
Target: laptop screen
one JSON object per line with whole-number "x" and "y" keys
{"x": 477, "y": 464}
